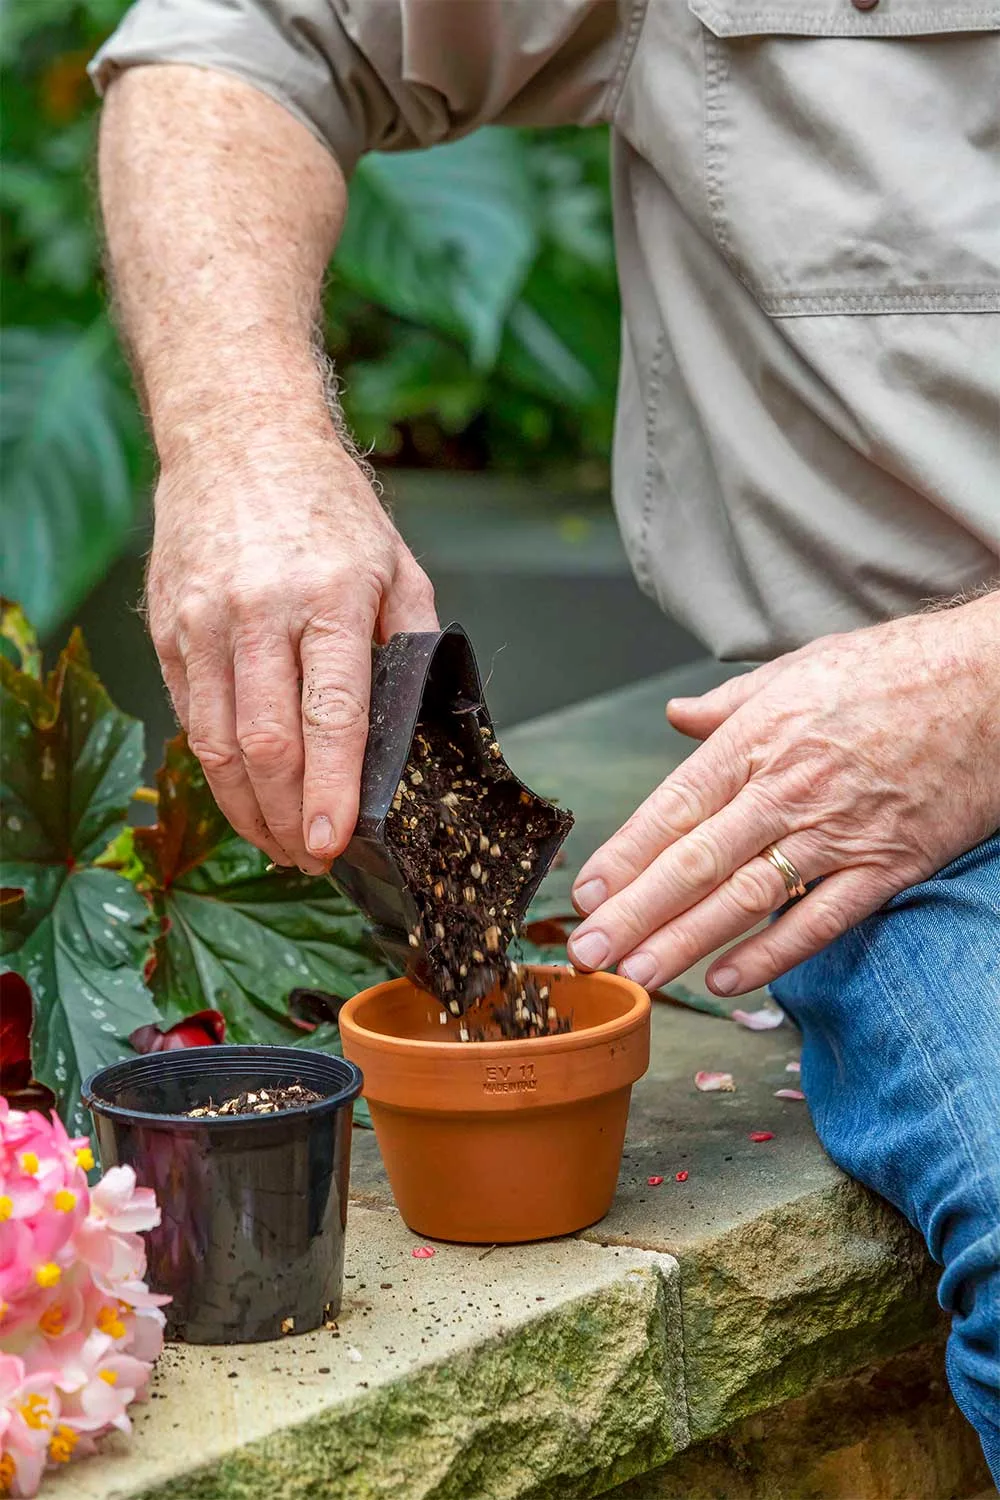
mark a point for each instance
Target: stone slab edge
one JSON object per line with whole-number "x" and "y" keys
{"x": 814, "y": 1289}
{"x": 562, "y": 1407}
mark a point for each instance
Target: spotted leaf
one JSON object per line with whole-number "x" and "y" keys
{"x": 237, "y": 936}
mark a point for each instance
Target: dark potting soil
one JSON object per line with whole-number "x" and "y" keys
{"x": 268, "y": 1101}
{"x": 467, "y": 837}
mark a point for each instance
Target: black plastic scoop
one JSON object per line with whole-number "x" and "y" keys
{"x": 421, "y": 680}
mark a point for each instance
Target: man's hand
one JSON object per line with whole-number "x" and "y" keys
{"x": 270, "y": 575}
{"x": 871, "y": 759}
{"x": 273, "y": 563}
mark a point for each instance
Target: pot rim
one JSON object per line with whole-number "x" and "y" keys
{"x": 233, "y": 1050}
{"x": 566, "y": 1041}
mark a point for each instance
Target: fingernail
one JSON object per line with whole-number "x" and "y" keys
{"x": 320, "y": 835}
{"x": 724, "y": 981}
{"x": 589, "y": 950}
{"x": 640, "y": 968}
{"x": 589, "y": 896}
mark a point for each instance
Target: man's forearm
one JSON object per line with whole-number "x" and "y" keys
{"x": 221, "y": 212}
{"x": 273, "y": 564}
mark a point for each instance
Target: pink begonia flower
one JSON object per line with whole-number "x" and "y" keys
{"x": 103, "y": 1400}
{"x": 79, "y": 1355}
{"x": 79, "y": 1328}
{"x": 146, "y": 1334}
{"x": 118, "y": 1201}
{"x": 113, "y": 1257}
{"x": 135, "y": 1292}
{"x": 31, "y": 1410}
{"x": 22, "y": 1197}
{"x": 15, "y": 1262}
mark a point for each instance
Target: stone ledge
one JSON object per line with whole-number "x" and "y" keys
{"x": 891, "y": 1433}
{"x": 547, "y": 1372}
{"x": 817, "y": 1288}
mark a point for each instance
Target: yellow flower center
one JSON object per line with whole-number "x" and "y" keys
{"x": 85, "y": 1158}
{"x": 65, "y": 1202}
{"x": 109, "y": 1322}
{"x": 7, "y": 1473}
{"x": 62, "y": 1443}
{"x": 109, "y": 1376}
{"x": 29, "y": 1163}
{"x": 53, "y": 1321}
{"x": 6, "y": 1208}
{"x": 35, "y": 1411}
{"x": 48, "y": 1275}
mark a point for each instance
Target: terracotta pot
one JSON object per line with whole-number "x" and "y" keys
{"x": 497, "y": 1142}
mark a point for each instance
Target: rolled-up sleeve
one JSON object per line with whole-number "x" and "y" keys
{"x": 393, "y": 75}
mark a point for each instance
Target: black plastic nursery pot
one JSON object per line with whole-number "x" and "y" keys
{"x": 254, "y": 1207}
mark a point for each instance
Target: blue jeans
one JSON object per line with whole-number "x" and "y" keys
{"x": 900, "y": 1021}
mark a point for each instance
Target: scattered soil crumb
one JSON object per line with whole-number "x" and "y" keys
{"x": 257, "y": 1102}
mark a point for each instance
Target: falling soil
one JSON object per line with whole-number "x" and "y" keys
{"x": 257, "y": 1102}
{"x": 468, "y": 837}
{"x": 522, "y": 1010}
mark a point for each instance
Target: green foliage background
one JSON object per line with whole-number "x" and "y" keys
{"x": 472, "y": 312}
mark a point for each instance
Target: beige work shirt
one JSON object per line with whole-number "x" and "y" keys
{"x": 807, "y": 220}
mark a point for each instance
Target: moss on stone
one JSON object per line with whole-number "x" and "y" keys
{"x": 562, "y": 1408}
{"x": 802, "y": 1295}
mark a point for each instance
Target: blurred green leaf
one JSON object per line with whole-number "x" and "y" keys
{"x": 69, "y": 762}
{"x": 83, "y": 963}
{"x": 18, "y": 632}
{"x": 421, "y": 376}
{"x": 444, "y": 237}
{"x": 69, "y": 441}
{"x": 49, "y": 201}
{"x": 25, "y": 20}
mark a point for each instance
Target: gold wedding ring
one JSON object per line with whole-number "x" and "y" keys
{"x": 794, "y": 884}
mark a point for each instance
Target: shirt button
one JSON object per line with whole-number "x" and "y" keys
{"x": 864, "y": 4}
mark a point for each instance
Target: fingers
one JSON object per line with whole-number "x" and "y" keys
{"x": 269, "y": 734}
{"x": 175, "y": 680}
{"x": 700, "y": 717}
{"x": 335, "y": 656}
{"x": 213, "y": 739}
{"x": 686, "y": 872}
{"x": 409, "y": 604}
{"x": 706, "y": 782}
{"x": 751, "y": 893}
{"x": 826, "y": 913}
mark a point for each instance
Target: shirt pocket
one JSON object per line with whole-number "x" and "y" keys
{"x": 852, "y": 154}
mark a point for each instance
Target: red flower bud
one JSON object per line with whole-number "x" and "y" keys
{"x": 202, "y": 1030}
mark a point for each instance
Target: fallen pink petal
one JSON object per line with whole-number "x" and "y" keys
{"x": 422, "y": 1252}
{"x": 711, "y": 1083}
{"x": 789, "y": 1094}
{"x": 764, "y": 1019}
{"x": 761, "y": 1135}
{"x": 793, "y": 1067}
{"x": 681, "y": 1177}
{"x": 654, "y": 1181}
